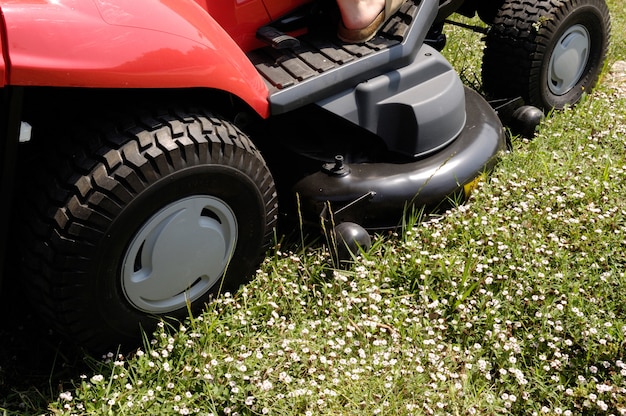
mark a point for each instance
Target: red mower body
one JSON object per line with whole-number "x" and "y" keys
{"x": 117, "y": 44}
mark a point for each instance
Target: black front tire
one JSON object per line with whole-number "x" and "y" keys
{"x": 549, "y": 52}
{"x": 144, "y": 219}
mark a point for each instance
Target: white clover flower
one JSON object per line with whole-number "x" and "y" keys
{"x": 67, "y": 396}
{"x": 97, "y": 378}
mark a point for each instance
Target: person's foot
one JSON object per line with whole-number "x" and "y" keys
{"x": 361, "y": 19}
{"x": 358, "y": 14}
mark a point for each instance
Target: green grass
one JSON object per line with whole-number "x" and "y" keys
{"x": 513, "y": 303}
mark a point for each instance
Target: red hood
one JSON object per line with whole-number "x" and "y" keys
{"x": 117, "y": 44}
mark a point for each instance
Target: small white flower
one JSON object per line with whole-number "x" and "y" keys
{"x": 66, "y": 396}
{"x": 97, "y": 378}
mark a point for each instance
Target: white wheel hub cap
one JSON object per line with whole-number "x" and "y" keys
{"x": 179, "y": 254}
{"x": 569, "y": 59}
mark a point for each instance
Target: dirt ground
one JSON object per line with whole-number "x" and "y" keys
{"x": 617, "y": 77}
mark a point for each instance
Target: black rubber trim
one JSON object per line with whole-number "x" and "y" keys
{"x": 323, "y": 65}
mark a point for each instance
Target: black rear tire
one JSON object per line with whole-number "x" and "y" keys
{"x": 488, "y": 9}
{"x": 549, "y": 52}
{"x": 143, "y": 219}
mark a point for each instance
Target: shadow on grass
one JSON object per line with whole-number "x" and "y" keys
{"x": 35, "y": 364}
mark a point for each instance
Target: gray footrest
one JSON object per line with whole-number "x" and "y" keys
{"x": 323, "y": 65}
